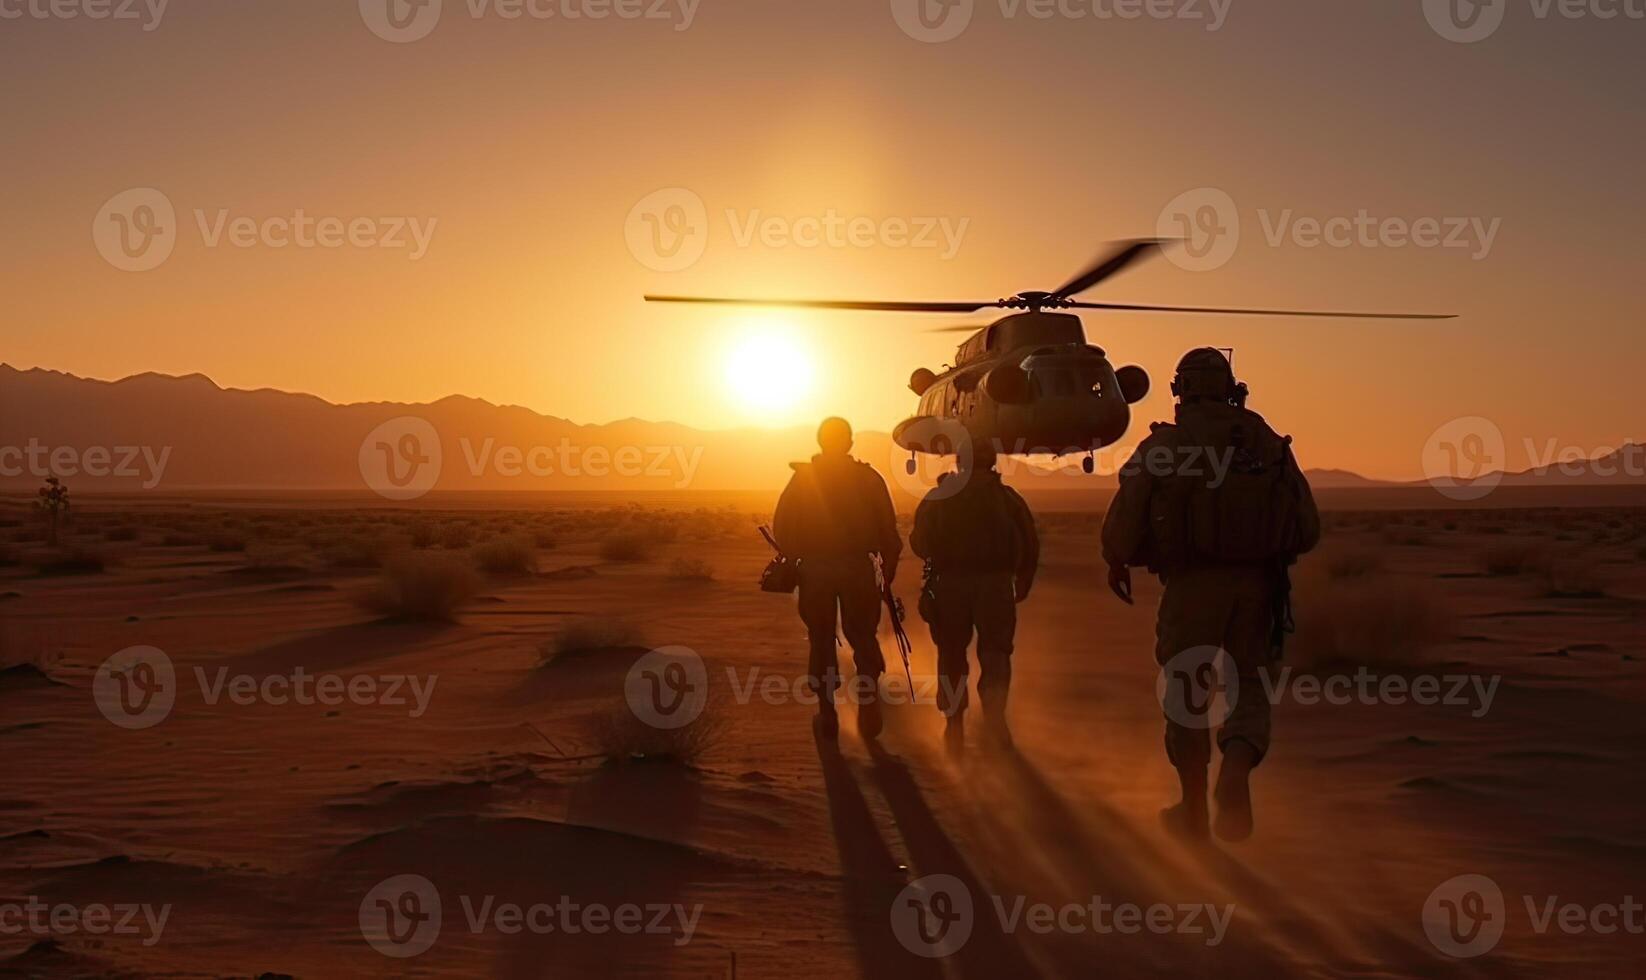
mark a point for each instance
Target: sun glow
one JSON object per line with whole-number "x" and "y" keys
{"x": 769, "y": 369}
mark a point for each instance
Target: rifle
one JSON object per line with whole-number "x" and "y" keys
{"x": 895, "y": 609}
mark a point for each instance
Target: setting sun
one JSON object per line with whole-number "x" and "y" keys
{"x": 769, "y": 369}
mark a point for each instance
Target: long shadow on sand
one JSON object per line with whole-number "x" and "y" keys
{"x": 990, "y": 952}
{"x": 338, "y": 648}
{"x": 872, "y": 877}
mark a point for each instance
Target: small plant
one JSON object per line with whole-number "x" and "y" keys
{"x": 73, "y": 560}
{"x": 1513, "y": 558}
{"x": 423, "y": 586}
{"x": 623, "y": 738}
{"x": 505, "y": 556}
{"x": 1353, "y": 564}
{"x": 54, "y": 503}
{"x": 590, "y": 635}
{"x": 627, "y": 545}
{"x": 1573, "y": 578}
{"x": 691, "y": 570}
{"x": 226, "y": 542}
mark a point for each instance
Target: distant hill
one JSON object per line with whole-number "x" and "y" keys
{"x": 186, "y": 433}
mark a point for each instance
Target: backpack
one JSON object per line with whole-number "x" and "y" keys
{"x": 1246, "y": 501}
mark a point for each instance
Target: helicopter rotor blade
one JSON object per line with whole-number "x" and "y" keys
{"x": 1111, "y": 265}
{"x": 831, "y": 304}
{"x": 1145, "y": 308}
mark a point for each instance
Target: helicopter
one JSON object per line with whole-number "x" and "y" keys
{"x": 1030, "y": 383}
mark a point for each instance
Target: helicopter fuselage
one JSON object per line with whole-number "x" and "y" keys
{"x": 1028, "y": 384}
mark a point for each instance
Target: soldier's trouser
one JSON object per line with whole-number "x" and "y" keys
{"x": 1227, "y": 608}
{"x": 964, "y": 603}
{"x": 842, "y": 588}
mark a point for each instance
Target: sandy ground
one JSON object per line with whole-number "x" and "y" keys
{"x": 263, "y": 828}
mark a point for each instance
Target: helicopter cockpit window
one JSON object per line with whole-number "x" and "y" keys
{"x": 1057, "y": 382}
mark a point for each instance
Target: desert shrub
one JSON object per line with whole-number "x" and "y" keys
{"x": 505, "y": 556}
{"x": 1640, "y": 552}
{"x": 361, "y": 550}
{"x": 627, "y": 545}
{"x": 226, "y": 541}
{"x": 1371, "y": 622}
{"x": 177, "y": 539}
{"x": 456, "y": 535}
{"x": 120, "y": 532}
{"x": 8, "y": 556}
{"x": 544, "y": 538}
{"x": 622, "y": 737}
{"x": 1513, "y": 557}
{"x": 421, "y": 585}
{"x": 76, "y": 559}
{"x": 1401, "y": 534}
{"x": 592, "y": 634}
{"x": 1573, "y": 577}
{"x": 1352, "y": 564}
{"x": 424, "y": 536}
{"x": 691, "y": 570}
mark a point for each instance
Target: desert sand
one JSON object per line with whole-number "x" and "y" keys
{"x": 263, "y": 827}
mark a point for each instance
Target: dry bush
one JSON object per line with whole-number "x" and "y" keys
{"x": 423, "y": 586}
{"x": 592, "y": 634}
{"x": 226, "y": 541}
{"x": 622, "y": 737}
{"x": 73, "y": 559}
{"x": 1351, "y": 564}
{"x": 1513, "y": 557}
{"x": 120, "y": 532}
{"x": 627, "y": 545}
{"x": 691, "y": 570}
{"x": 424, "y": 535}
{"x": 505, "y": 556}
{"x": 457, "y": 534}
{"x": 1640, "y": 552}
{"x": 1573, "y": 577}
{"x": 361, "y": 550}
{"x": 1369, "y": 621}
{"x": 544, "y": 539}
{"x": 177, "y": 539}
{"x": 1401, "y": 534}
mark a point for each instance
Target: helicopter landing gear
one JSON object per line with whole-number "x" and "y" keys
{"x": 1089, "y": 464}
{"x": 911, "y": 465}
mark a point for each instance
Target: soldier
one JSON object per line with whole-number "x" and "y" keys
{"x": 1217, "y": 506}
{"x": 833, "y": 518}
{"x": 981, "y": 551}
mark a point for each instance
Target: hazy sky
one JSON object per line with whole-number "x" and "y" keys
{"x": 480, "y": 184}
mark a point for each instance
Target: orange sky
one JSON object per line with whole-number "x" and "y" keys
{"x": 522, "y": 146}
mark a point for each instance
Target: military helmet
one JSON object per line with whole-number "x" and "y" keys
{"x": 1204, "y": 373}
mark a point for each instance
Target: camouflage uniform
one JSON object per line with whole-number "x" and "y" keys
{"x": 982, "y": 552}
{"x": 1207, "y": 603}
{"x": 833, "y": 515}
